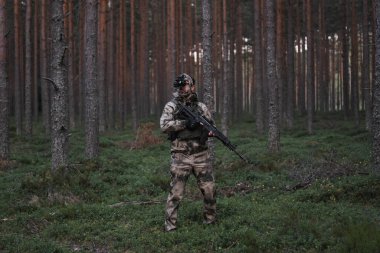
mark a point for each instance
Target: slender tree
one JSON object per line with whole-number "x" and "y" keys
{"x": 376, "y": 97}
{"x": 133, "y": 68}
{"x": 171, "y": 50}
{"x": 258, "y": 70}
{"x": 59, "y": 103}
{"x": 225, "y": 104}
{"x": 274, "y": 117}
{"x": 91, "y": 85}
{"x": 207, "y": 71}
{"x": 28, "y": 69}
{"x": 101, "y": 61}
{"x": 365, "y": 66}
{"x": 4, "y": 97}
{"x": 290, "y": 66}
{"x": 310, "y": 67}
{"x": 354, "y": 64}
{"x": 17, "y": 67}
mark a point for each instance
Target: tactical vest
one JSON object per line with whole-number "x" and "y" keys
{"x": 186, "y": 134}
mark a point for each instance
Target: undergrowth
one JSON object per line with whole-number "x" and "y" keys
{"x": 317, "y": 195}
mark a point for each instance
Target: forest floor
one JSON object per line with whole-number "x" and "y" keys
{"x": 317, "y": 195}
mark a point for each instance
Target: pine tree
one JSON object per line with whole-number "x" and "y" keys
{"x": 58, "y": 81}
{"x": 91, "y": 85}
{"x": 4, "y": 99}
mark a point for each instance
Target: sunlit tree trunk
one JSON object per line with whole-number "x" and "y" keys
{"x": 59, "y": 103}
{"x": 274, "y": 117}
{"x": 4, "y": 95}
{"x": 91, "y": 85}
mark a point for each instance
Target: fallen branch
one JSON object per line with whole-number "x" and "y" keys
{"x": 136, "y": 203}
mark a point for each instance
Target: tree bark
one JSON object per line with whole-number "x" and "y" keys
{"x": 225, "y": 105}
{"x": 376, "y": 98}
{"x": 290, "y": 66}
{"x": 4, "y": 95}
{"x": 101, "y": 61}
{"x": 28, "y": 70}
{"x": 207, "y": 70}
{"x": 365, "y": 66}
{"x": 58, "y": 82}
{"x": 110, "y": 66}
{"x": 91, "y": 85}
{"x": 310, "y": 68}
{"x": 133, "y": 68}
{"x": 45, "y": 94}
{"x": 274, "y": 117}
{"x": 354, "y": 64}
{"x": 258, "y": 70}
{"x": 17, "y": 71}
{"x": 171, "y": 52}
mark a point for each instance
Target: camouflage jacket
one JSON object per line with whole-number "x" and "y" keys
{"x": 187, "y": 141}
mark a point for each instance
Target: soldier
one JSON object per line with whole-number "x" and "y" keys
{"x": 189, "y": 151}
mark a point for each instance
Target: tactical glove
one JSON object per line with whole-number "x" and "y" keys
{"x": 191, "y": 124}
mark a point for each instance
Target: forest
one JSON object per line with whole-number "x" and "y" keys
{"x": 294, "y": 84}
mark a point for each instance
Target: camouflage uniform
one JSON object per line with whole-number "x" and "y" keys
{"x": 189, "y": 154}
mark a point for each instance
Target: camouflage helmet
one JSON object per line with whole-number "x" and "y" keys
{"x": 182, "y": 80}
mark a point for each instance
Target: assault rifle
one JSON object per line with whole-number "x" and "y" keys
{"x": 195, "y": 116}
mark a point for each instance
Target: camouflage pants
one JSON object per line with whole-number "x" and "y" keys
{"x": 181, "y": 167}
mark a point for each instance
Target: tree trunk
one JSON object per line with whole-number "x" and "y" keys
{"x": 133, "y": 68}
{"x": 207, "y": 70}
{"x": 310, "y": 68}
{"x": 110, "y": 66}
{"x": 258, "y": 70}
{"x": 45, "y": 94}
{"x": 144, "y": 57}
{"x": 59, "y": 105}
{"x": 171, "y": 53}
{"x": 101, "y": 60}
{"x": 376, "y": 98}
{"x": 274, "y": 117}
{"x": 17, "y": 71}
{"x": 365, "y": 66}
{"x": 225, "y": 105}
{"x": 354, "y": 64}
{"x": 4, "y": 99}
{"x": 28, "y": 69}
{"x": 69, "y": 31}
{"x": 346, "y": 99}
{"x": 91, "y": 85}
{"x": 35, "y": 63}
{"x": 239, "y": 60}
{"x": 290, "y": 66}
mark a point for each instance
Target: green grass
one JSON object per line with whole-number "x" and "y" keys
{"x": 317, "y": 195}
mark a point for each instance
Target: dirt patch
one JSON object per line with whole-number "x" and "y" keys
{"x": 144, "y": 138}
